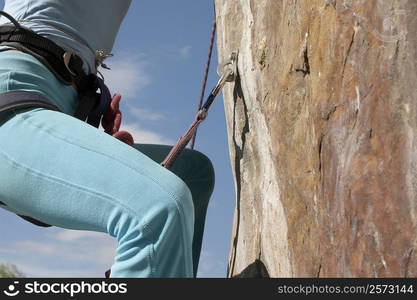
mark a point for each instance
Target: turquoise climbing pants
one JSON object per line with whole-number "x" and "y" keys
{"x": 64, "y": 172}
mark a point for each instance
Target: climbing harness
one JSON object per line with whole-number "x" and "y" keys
{"x": 65, "y": 65}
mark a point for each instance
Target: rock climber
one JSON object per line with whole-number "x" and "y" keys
{"x": 58, "y": 169}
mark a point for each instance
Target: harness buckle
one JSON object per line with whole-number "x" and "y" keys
{"x": 67, "y": 59}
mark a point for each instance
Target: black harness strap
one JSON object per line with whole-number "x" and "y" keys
{"x": 46, "y": 51}
{"x": 22, "y": 99}
{"x": 65, "y": 65}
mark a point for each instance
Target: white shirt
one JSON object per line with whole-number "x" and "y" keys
{"x": 80, "y": 26}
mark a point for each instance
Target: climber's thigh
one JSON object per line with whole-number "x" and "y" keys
{"x": 192, "y": 166}
{"x": 66, "y": 173}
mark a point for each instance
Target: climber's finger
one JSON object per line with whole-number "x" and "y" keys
{"x": 125, "y": 137}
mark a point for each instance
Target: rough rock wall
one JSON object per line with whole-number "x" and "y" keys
{"x": 322, "y": 125}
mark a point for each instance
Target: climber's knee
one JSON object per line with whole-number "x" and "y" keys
{"x": 206, "y": 169}
{"x": 172, "y": 231}
{"x": 199, "y": 175}
{"x": 155, "y": 227}
{"x": 200, "y": 167}
{"x": 154, "y": 197}
{"x": 180, "y": 204}
{"x": 176, "y": 209}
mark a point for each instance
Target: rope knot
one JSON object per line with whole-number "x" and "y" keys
{"x": 202, "y": 114}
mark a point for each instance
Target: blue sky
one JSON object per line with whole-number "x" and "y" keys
{"x": 158, "y": 64}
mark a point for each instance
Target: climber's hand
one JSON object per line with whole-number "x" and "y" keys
{"x": 112, "y": 120}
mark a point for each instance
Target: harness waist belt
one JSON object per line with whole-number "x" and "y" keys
{"x": 65, "y": 65}
{"x": 22, "y": 99}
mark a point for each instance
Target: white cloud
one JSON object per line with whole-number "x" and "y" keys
{"x": 174, "y": 52}
{"x": 127, "y": 75}
{"x": 74, "y": 235}
{"x": 185, "y": 52}
{"x": 44, "y": 271}
{"x": 145, "y": 114}
{"x": 144, "y": 136}
{"x": 80, "y": 254}
{"x": 34, "y": 246}
{"x": 63, "y": 253}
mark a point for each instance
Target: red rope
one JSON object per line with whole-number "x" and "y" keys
{"x": 182, "y": 142}
{"x": 206, "y": 72}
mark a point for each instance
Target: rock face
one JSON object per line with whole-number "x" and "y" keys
{"x": 322, "y": 124}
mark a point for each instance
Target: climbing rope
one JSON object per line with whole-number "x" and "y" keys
{"x": 206, "y": 72}
{"x": 229, "y": 72}
{"x": 112, "y": 119}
